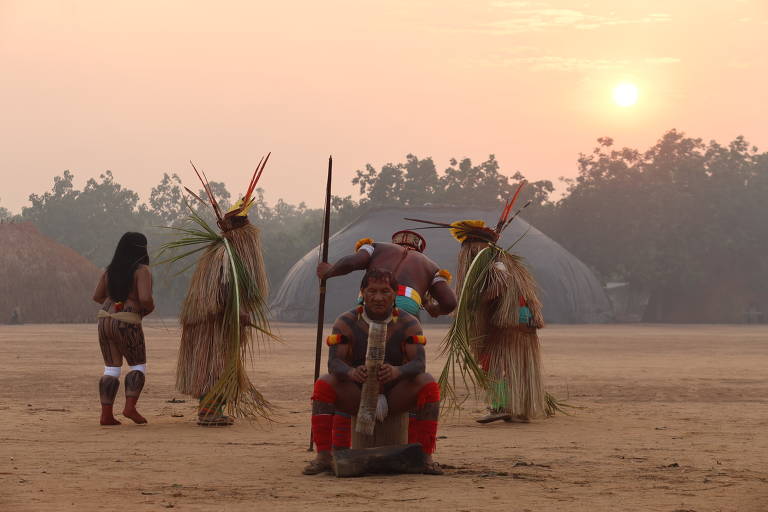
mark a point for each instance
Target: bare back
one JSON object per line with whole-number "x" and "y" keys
{"x": 140, "y": 295}
{"x": 410, "y": 268}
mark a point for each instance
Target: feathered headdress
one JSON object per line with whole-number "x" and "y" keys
{"x": 237, "y": 216}
{"x": 410, "y": 239}
{"x": 473, "y": 230}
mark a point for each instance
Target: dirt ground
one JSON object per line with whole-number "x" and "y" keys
{"x": 671, "y": 418}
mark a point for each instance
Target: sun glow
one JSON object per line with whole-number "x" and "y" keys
{"x": 625, "y": 94}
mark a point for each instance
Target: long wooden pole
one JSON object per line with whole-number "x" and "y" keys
{"x": 321, "y": 306}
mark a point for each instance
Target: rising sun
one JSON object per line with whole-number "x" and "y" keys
{"x": 625, "y": 94}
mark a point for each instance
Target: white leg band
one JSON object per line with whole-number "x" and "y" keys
{"x": 112, "y": 371}
{"x": 139, "y": 367}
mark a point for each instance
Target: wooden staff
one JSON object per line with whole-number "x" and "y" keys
{"x": 321, "y": 306}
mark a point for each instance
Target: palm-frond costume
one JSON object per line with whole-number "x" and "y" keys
{"x": 493, "y": 342}
{"x": 225, "y": 310}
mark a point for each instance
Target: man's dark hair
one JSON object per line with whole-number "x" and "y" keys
{"x": 375, "y": 274}
{"x": 131, "y": 252}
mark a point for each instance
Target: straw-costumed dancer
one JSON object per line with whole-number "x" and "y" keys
{"x": 493, "y": 340}
{"x": 225, "y": 309}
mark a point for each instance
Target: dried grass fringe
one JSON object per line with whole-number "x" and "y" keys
{"x": 506, "y": 285}
{"x": 514, "y": 359}
{"x": 490, "y": 325}
{"x": 214, "y": 345}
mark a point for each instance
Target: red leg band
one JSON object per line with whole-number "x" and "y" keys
{"x": 427, "y": 394}
{"x": 321, "y": 431}
{"x": 342, "y": 431}
{"x": 324, "y": 392}
{"x": 425, "y": 433}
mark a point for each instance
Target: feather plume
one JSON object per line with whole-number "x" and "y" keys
{"x": 207, "y": 187}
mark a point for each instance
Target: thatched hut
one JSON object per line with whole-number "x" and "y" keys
{"x": 42, "y": 281}
{"x": 569, "y": 290}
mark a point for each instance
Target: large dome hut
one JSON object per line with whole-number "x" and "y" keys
{"x": 569, "y": 290}
{"x": 42, "y": 281}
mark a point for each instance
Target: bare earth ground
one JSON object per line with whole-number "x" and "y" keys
{"x": 673, "y": 419}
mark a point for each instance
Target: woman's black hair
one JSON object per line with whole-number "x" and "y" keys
{"x": 131, "y": 252}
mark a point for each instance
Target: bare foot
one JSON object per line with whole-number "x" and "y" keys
{"x": 207, "y": 420}
{"x": 134, "y": 415}
{"x": 320, "y": 465}
{"x": 431, "y": 467}
{"x": 494, "y": 416}
{"x": 109, "y": 420}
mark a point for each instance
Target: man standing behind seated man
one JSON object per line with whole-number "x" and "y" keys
{"x": 402, "y": 377}
{"x": 416, "y": 274}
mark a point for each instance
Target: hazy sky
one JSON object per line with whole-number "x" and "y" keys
{"x": 142, "y": 87}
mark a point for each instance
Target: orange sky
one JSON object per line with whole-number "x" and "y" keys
{"x": 143, "y": 87}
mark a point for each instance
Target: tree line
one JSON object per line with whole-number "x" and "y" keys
{"x": 678, "y": 215}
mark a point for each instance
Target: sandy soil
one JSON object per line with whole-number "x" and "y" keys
{"x": 672, "y": 418}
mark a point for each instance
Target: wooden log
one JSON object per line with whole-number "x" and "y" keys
{"x": 369, "y": 395}
{"x": 402, "y": 458}
{"x": 393, "y": 430}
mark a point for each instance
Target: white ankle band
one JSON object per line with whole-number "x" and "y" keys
{"x": 112, "y": 371}
{"x": 139, "y": 367}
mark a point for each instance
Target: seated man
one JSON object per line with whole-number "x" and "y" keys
{"x": 402, "y": 378}
{"x": 416, "y": 274}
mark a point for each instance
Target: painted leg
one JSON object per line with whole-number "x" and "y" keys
{"x": 323, "y": 409}
{"x": 108, "y": 386}
{"x": 423, "y": 426}
{"x": 134, "y": 383}
{"x": 342, "y": 431}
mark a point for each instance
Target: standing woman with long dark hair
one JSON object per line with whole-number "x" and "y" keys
{"x": 125, "y": 290}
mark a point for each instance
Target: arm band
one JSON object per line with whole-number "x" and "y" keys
{"x": 365, "y": 244}
{"x": 441, "y": 276}
{"x": 335, "y": 339}
{"x": 417, "y": 339}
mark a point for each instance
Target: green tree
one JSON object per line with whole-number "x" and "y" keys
{"x": 166, "y": 200}
{"x": 416, "y": 182}
{"x": 380, "y": 187}
{"x": 598, "y": 207}
{"x": 220, "y": 193}
{"x": 671, "y": 220}
{"x": 4, "y": 213}
{"x": 91, "y": 220}
{"x": 475, "y": 185}
{"x": 421, "y": 183}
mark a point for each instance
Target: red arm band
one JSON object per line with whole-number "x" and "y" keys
{"x": 418, "y": 339}
{"x": 335, "y": 339}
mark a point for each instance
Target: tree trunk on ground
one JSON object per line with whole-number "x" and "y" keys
{"x": 402, "y": 458}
